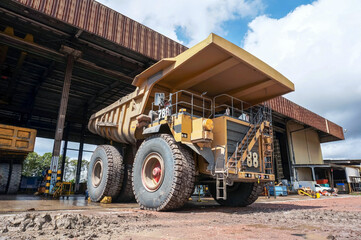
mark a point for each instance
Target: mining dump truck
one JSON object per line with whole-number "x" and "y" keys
{"x": 197, "y": 118}
{"x": 15, "y": 145}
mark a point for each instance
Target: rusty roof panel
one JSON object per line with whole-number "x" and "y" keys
{"x": 305, "y": 116}
{"x": 335, "y": 130}
{"x": 98, "y": 19}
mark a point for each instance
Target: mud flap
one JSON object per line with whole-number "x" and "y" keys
{"x": 206, "y": 153}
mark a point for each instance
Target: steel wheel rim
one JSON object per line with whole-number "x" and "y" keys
{"x": 152, "y": 172}
{"x": 97, "y": 172}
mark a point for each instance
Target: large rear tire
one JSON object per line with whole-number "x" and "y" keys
{"x": 126, "y": 194}
{"x": 15, "y": 178}
{"x": 105, "y": 173}
{"x": 4, "y": 176}
{"x": 239, "y": 195}
{"x": 163, "y": 174}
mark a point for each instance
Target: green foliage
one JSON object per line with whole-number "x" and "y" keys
{"x": 34, "y": 164}
{"x": 70, "y": 169}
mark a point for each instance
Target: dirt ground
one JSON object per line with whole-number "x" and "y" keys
{"x": 293, "y": 217}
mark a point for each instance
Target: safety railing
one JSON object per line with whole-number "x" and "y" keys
{"x": 264, "y": 113}
{"x": 194, "y": 104}
{"x": 201, "y": 106}
{"x": 258, "y": 118}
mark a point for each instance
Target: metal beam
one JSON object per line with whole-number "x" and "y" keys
{"x": 22, "y": 19}
{"x": 111, "y": 53}
{"x": 18, "y": 43}
{"x": 41, "y": 51}
{"x": 65, "y": 148}
{"x": 93, "y": 68}
{"x": 81, "y": 147}
{"x": 105, "y": 99}
{"x": 17, "y": 72}
{"x": 60, "y": 122}
{"x": 44, "y": 76}
{"x": 110, "y": 87}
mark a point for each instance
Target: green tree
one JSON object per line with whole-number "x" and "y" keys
{"x": 35, "y": 164}
{"x": 70, "y": 169}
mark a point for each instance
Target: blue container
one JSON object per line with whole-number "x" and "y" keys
{"x": 280, "y": 191}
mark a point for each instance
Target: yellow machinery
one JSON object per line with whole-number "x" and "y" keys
{"x": 15, "y": 144}
{"x": 306, "y": 192}
{"x": 197, "y": 118}
{"x": 62, "y": 189}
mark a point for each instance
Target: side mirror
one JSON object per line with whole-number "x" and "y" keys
{"x": 159, "y": 99}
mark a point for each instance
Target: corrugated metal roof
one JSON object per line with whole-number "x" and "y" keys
{"x": 305, "y": 116}
{"x": 98, "y": 19}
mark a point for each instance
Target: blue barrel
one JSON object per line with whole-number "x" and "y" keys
{"x": 280, "y": 191}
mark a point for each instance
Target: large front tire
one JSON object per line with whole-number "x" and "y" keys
{"x": 105, "y": 173}
{"x": 4, "y": 176}
{"x": 15, "y": 178}
{"x": 241, "y": 194}
{"x": 163, "y": 174}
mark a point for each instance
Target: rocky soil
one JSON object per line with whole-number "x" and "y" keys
{"x": 338, "y": 218}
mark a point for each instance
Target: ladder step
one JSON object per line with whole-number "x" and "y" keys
{"x": 221, "y": 186}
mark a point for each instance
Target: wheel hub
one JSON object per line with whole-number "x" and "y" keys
{"x": 153, "y": 172}
{"x": 97, "y": 172}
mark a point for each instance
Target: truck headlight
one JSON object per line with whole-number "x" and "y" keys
{"x": 208, "y": 124}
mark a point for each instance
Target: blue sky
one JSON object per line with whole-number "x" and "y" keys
{"x": 272, "y": 8}
{"x": 316, "y": 44}
{"x": 236, "y": 29}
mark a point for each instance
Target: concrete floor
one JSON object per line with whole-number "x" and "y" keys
{"x": 24, "y": 203}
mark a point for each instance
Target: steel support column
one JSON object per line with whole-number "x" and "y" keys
{"x": 61, "y": 116}
{"x": 81, "y": 148}
{"x": 313, "y": 174}
{"x": 65, "y": 148}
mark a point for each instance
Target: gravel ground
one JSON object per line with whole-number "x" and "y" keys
{"x": 328, "y": 218}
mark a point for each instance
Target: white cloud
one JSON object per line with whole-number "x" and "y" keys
{"x": 342, "y": 150}
{"x": 318, "y": 47}
{"x": 197, "y": 19}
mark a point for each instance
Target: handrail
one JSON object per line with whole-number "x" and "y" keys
{"x": 260, "y": 119}
{"x": 209, "y": 106}
{"x": 232, "y": 107}
{"x": 191, "y": 104}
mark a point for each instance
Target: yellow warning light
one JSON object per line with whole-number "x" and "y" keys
{"x": 208, "y": 124}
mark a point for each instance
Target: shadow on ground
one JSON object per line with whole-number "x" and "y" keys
{"x": 254, "y": 208}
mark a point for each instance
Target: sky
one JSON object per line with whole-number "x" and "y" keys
{"x": 315, "y": 44}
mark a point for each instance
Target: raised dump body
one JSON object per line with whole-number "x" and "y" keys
{"x": 15, "y": 144}
{"x": 209, "y": 100}
{"x": 214, "y": 66}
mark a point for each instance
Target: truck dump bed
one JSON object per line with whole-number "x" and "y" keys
{"x": 213, "y": 67}
{"x": 217, "y": 66}
{"x": 16, "y": 139}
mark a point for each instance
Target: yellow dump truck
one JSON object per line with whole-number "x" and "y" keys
{"x": 197, "y": 118}
{"x": 15, "y": 144}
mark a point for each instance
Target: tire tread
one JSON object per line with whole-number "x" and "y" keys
{"x": 4, "y": 176}
{"x": 184, "y": 175}
{"x": 126, "y": 194}
{"x": 115, "y": 174}
{"x": 15, "y": 178}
